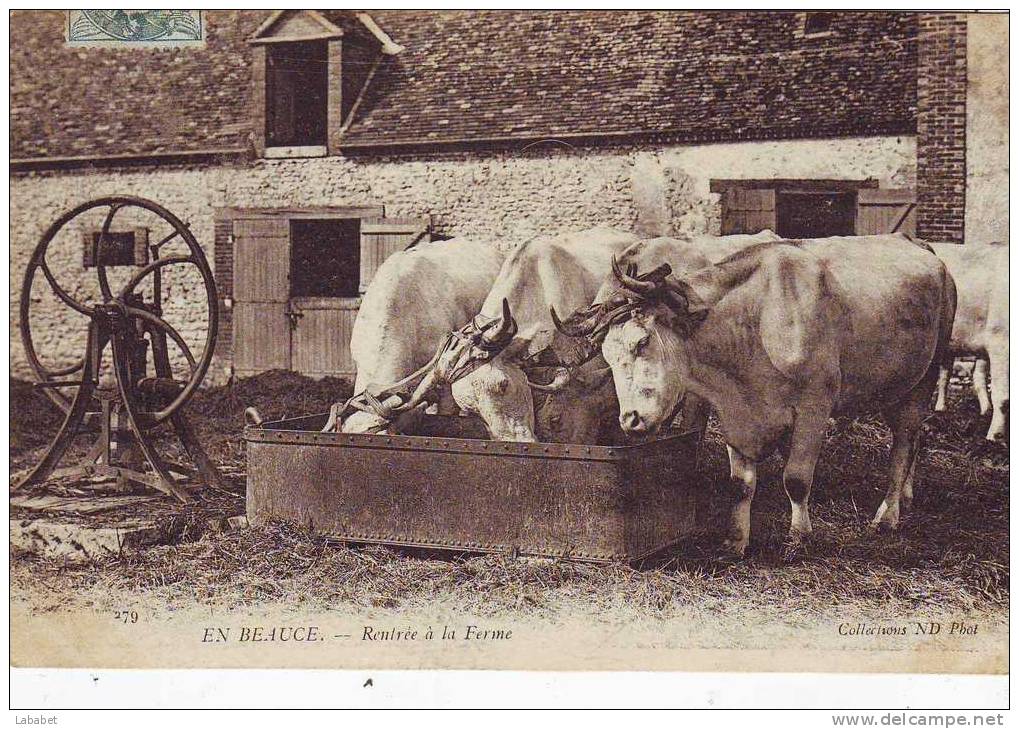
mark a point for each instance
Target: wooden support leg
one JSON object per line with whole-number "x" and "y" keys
{"x": 206, "y": 468}
{"x": 165, "y": 481}
{"x": 72, "y": 421}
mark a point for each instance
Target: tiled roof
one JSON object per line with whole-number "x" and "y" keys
{"x": 68, "y": 101}
{"x": 515, "y": 74}
{"x": 478, "y": 76}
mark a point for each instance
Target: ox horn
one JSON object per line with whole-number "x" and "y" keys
{"x": 504, "y": 331}
{"x": 576, "y": 329}
{"x": 640, "y": 284}
{"x": 562, "y": 378}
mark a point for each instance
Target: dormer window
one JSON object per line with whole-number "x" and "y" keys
{"x": 297, "y": 95}
{"x": 817, "y": 24}
{"x": 310, "y": 68}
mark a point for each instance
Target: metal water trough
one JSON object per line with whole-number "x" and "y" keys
{"x": 450, "y": 488}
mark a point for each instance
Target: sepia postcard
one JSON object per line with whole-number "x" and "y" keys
{"x": 570, "y": 340}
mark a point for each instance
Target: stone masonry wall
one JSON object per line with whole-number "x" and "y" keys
{"x": 507, "y": 198}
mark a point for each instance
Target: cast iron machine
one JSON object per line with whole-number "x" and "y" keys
{"x": 124, "y": 399}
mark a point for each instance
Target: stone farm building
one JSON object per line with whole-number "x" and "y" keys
{"x": 305, "y": 146}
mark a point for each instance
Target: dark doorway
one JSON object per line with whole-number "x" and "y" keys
{"x": 812, "y": 214}
{"x": 296, "y": 94}
{"x": 325, "y": 258}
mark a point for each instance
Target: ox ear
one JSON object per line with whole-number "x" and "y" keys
{"x": 681, "y": 290}
{"x": 688, "y": 308}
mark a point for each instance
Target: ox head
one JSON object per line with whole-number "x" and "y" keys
{"x": 485, "y": 384}
{"x": 396, "y": 408}
{"x": 476, "y": 344}
{"x": 640, "y": 330}
{"x": 459, "y": 356}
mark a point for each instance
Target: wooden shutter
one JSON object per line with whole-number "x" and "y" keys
{"x": 261, "y": 288}
{"x": 885, "y": 211}
{"x": 382, "y": 237}
{"x": 746, "y": 210}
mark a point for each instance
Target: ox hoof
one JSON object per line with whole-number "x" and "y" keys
{"x": 734, "y": 549}
{"x": 886, "y": 519}
{"x": 883, "y": 526}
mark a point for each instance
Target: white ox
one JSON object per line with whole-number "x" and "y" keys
{"x": 981, "y": 323}
{"x": 540, "y": 277}
{"x": 415, "y": 298}
{"x": 564, "y": 272}
{"x": 778, "y": 338}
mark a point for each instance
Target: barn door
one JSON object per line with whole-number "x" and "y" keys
{"x": 382, "y": 237}
{"x": 885, "y": 211}
{"x": 321, "y": 335}
{"x": 747, "y": 210}
{"x": 261, "y": 290}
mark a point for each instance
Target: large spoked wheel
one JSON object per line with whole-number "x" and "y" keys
{"x": 127, "y": 304}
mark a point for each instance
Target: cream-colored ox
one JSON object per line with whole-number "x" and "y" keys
{"x": 778, "y": 338}
{"x": 981, "y": 324}
{"x": 416, "y": 298}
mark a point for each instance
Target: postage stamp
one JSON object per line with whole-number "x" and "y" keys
{"x": 135, "y": 27}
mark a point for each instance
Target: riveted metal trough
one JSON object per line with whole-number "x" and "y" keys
{"x": 449, "y": 487}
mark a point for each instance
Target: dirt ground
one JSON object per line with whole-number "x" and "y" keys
{"x": 950, "y": 556}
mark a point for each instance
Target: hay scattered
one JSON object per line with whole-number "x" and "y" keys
{"x": 951, "y": 554}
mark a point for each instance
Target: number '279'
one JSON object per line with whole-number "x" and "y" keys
{"x": 126, "y": 616}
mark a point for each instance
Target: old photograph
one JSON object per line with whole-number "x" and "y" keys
{"x": 510, "y": 339}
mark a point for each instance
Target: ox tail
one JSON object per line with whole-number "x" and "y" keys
{"x": 943, "y": 355}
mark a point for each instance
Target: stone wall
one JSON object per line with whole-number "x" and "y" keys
{"x": 506, "y": 197}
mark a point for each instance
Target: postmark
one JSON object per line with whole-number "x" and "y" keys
{"x": 135, "y": 28}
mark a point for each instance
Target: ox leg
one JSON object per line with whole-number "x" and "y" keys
{"x": 943, "y": 374}
{"x": 980, "y": 385}
{"x": 906, "y": 424}
{"x": 743, "y": 472}
{"x": 906, "y": 498}
{"x": 804, "y": 449}
{"x": 999, "y": 391}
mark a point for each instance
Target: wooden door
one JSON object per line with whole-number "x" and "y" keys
{"x": 747, "y": 210}
{"x": 885, "y": 211}
{"x": 320, "y": 339}
{"x": 261, "y": 288}
{"x": 322, "y": 325}
{"x": 382, "y": 237}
